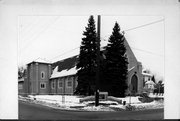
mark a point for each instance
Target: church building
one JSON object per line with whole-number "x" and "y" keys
{"x": 44, "y": 77}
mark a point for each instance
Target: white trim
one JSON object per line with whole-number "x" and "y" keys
{"x": 131, "y": 68}
{"x": 44, "y": 85}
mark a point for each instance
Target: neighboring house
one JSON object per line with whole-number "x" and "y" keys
{"x": 149, "y": 86}
{"x": 146, "y": 77}
{"x": 44, "y": 77}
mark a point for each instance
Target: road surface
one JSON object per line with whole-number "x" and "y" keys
{"x": 39, "y": 112}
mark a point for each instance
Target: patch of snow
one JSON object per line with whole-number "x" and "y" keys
{"x": 101, "y": 102}
{"x": 117, "y": 106}
{"x": 147, "y": 74}
{"x": 131, "y": 99}
{"x": 98, "y": 108}
{"x": 42, "y": 60}
{"x": 21, "y": 80}
{"x": 152, "y": 105}
{"x": 150, "y": 82}
{"x": 72, "y": 103}
{"x": 157, "y": 95}
{"x": 62, "y": 73}
{"x": 59, "y": 98}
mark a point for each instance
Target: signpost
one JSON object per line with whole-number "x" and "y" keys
{"x": 130, "y": 89}
{"x": 63, "y": 98}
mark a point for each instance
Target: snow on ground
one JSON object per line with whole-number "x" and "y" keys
{"x": 158, "y": 95}
{"x": 72, "y": 103}
{"x": 66, "y": 101}
{"x": 98, "y": 108}
{"x": 130, "y": 99}
{"x": 152, "y": 105}
{"x": 68, "y": 98}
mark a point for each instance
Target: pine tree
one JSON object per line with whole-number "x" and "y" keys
{"x": 116, "y": 64}
{"x": 21, "y": 72}
{"x": 87, "y": 60}
{"x": 153, "y": 79}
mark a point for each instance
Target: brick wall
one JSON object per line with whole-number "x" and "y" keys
{"x": 64, "y": 87}
{"x": 35, "y": 78}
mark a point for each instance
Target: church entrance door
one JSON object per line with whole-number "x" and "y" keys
{"x": 134, "y": 83}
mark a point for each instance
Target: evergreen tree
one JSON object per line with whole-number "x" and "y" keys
{"x": 116, "y": 64}
{"x": 87, "y": 60}
{"x": 21, "y": 72}
{"x": 153, "y": 79}
{"x": 159, "y": 87}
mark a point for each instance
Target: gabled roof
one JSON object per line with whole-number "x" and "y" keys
{"x": 68, "y": 66}
{"x": 150, "y": 82}
{"x": 64, "y": 67}
{"x": 66, "y": 63}
{"x": 41, "y": 60}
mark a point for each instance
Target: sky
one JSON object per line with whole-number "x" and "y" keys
{"x": 58, "y": 37}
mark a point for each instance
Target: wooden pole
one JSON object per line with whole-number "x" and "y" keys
{"x": 98, "y": 61}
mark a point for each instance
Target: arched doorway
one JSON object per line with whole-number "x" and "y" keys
{"x": 134, "y": 83}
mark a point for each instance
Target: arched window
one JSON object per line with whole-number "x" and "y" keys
{"x": 53, "y": 84}
{"x": 42, "y": 85}
{"x": 42, "y": 75}
{"x": 134, "y": 83}
{"x": 60, "y": 84}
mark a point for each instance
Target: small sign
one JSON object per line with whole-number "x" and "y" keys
{"x": 103, "y": 96}
{"x": 63, "y": 99}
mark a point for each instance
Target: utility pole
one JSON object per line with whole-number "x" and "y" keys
{"x": 98, "y": 61}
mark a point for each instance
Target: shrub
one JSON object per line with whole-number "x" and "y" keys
{"x": 130, "y": 107}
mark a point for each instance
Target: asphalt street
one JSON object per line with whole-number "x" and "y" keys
{"x": 30, "y": 111}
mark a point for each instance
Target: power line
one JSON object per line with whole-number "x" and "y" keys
{"x": 64, "y": 53}
{"x": 29, "y": 28}
{"x": 154, "y": 22}
{"x": 146, "y": 51}
{"x": 129, "y": 45}
{"x": 37, "y": 35}
{"x": 107, "y": 35}
{"x": 145, "y": 25}
{"x": 30, "y": 25}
